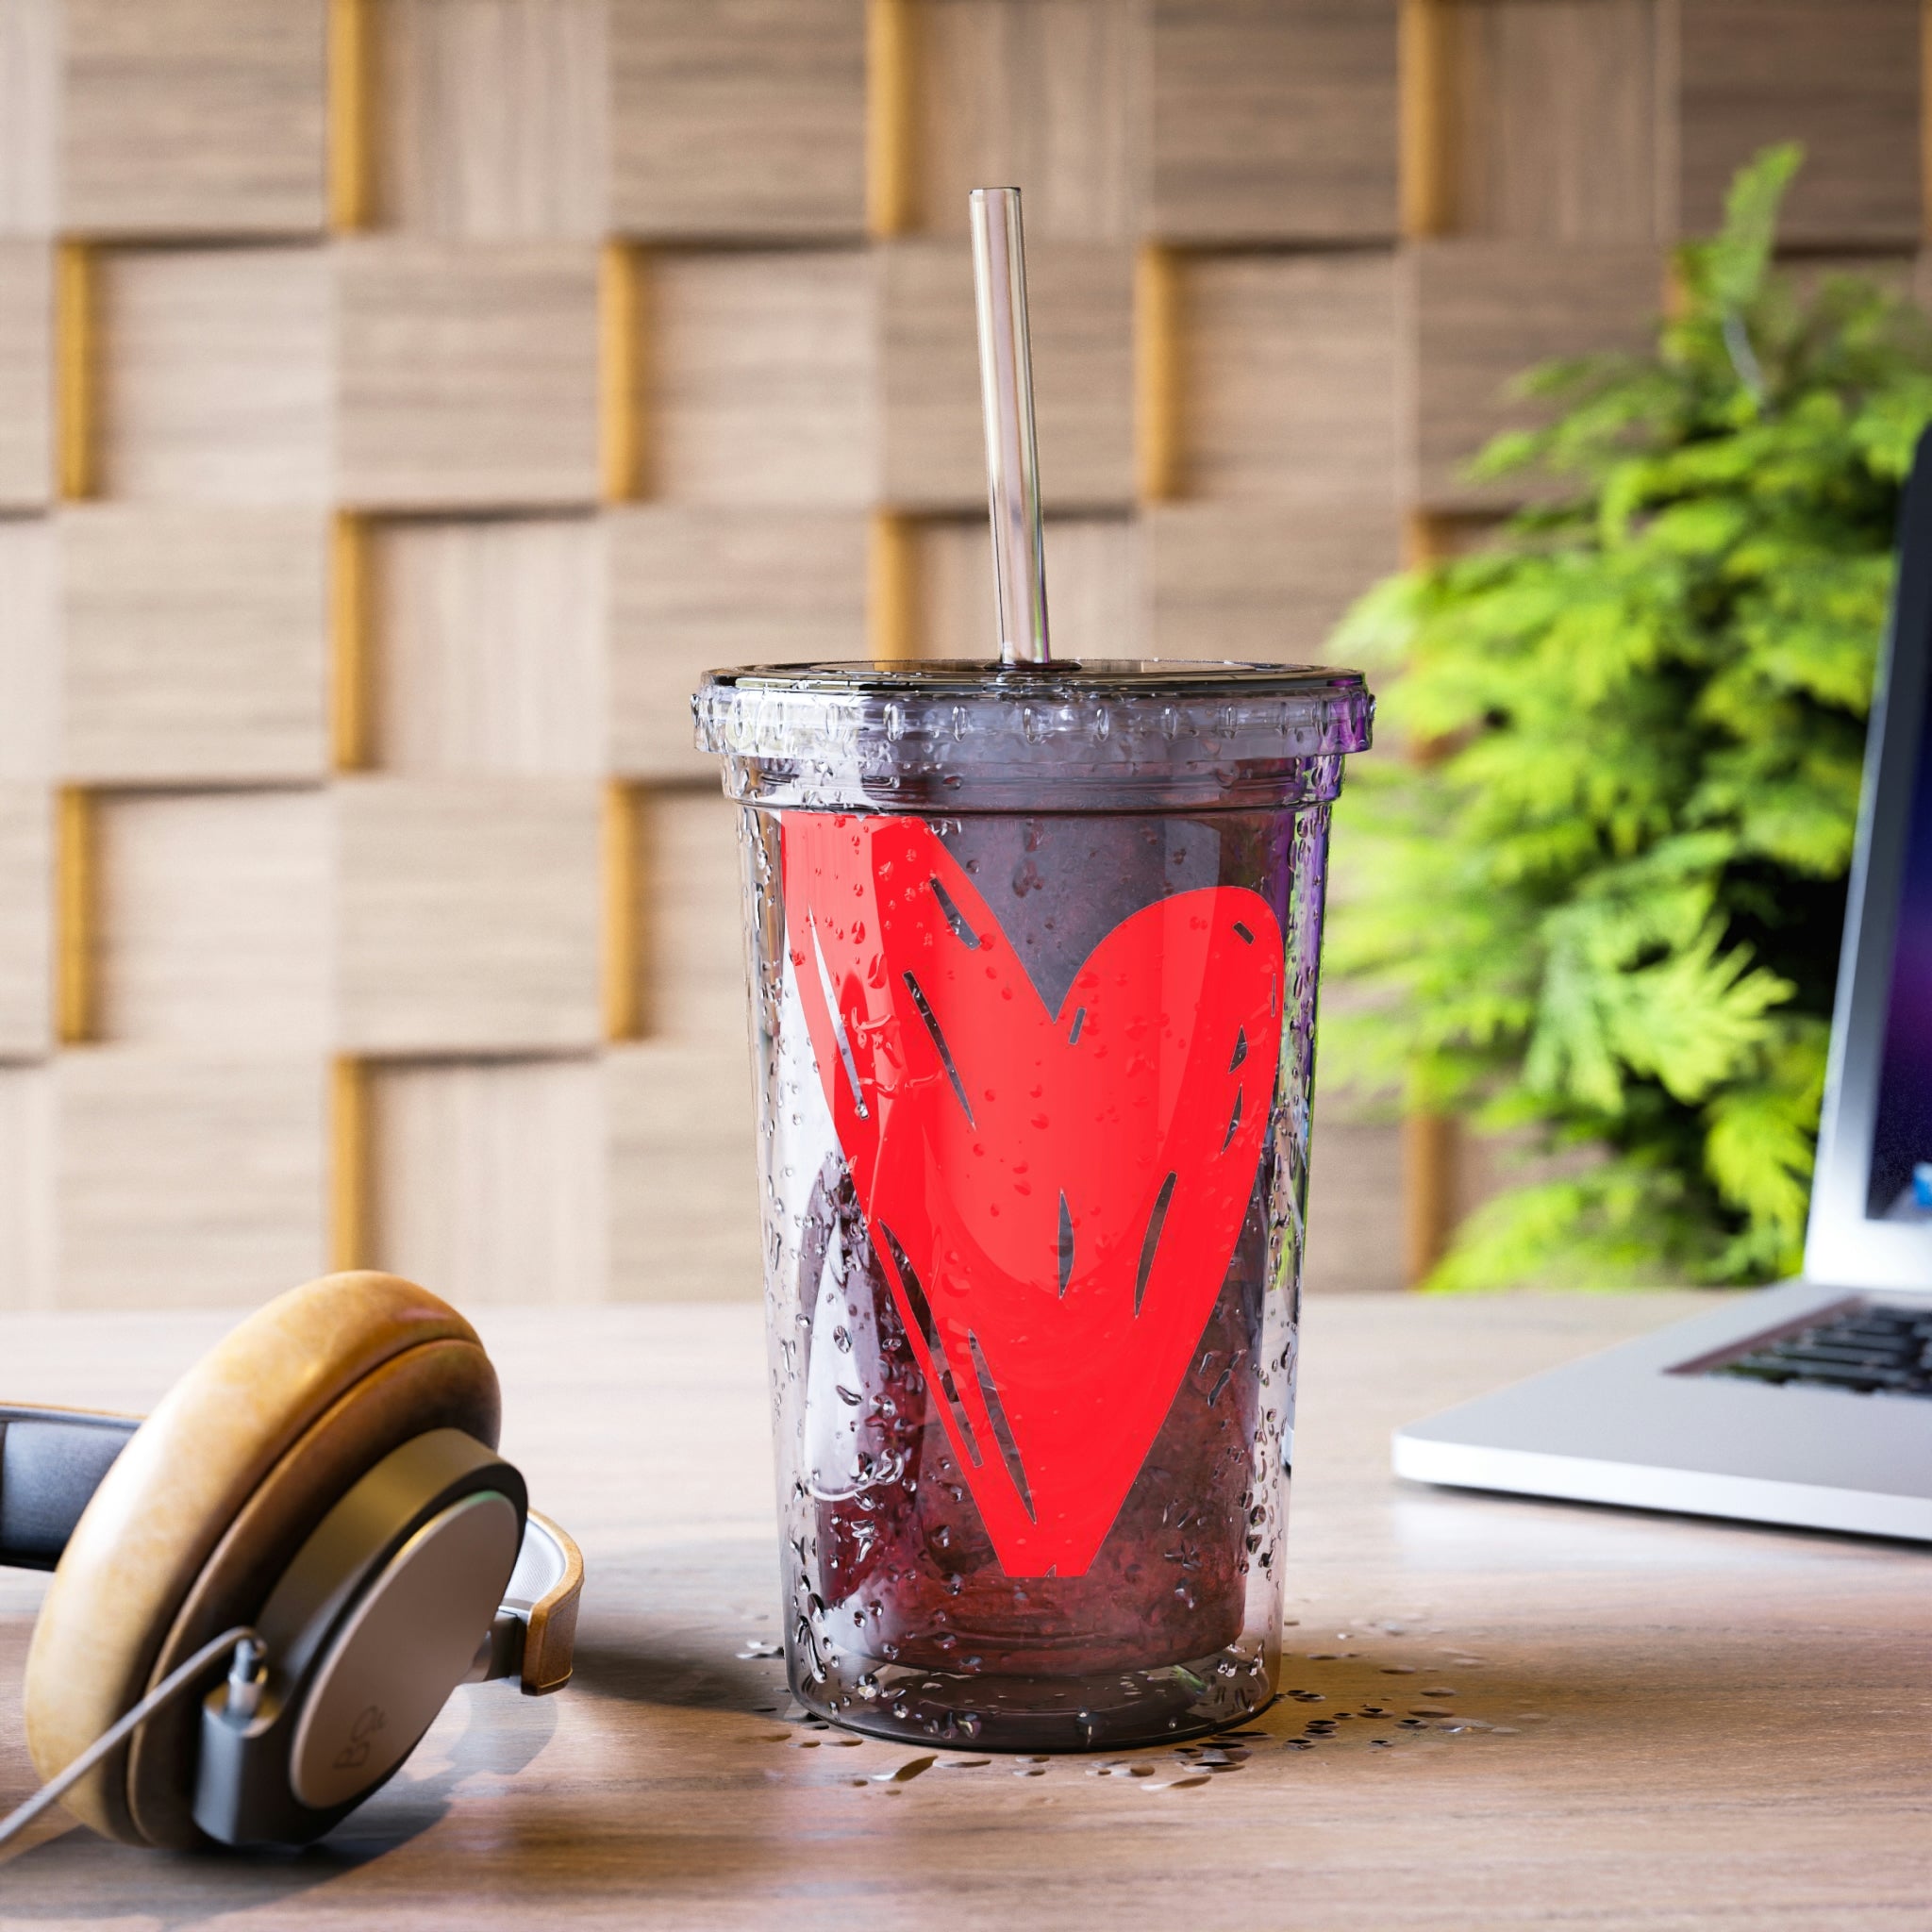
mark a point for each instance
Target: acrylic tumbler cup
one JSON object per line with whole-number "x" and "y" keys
{"x": 1033, "y": 959}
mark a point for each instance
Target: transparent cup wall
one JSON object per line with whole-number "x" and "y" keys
{"x": 1033, "y": 1089}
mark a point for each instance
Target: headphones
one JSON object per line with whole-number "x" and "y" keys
{"x": 317, "y": 1504}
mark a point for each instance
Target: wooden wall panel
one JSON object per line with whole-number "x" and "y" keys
{"x": 1555, "y": 126}
{"x": 491, "y": 1179}
{"x": 467, "y": 915}
{"x": 1842, "y": 77}
{"x": 27, "y": 375}
{"x": 695, "y": 950}
{"x": 1251, "y": 580}
{"x": 762, "y": 372}
{"x": 1100, "y": 606}
{"x": 1093, "y": 587}
{"x": 1287, "y": 379}
{"x": 194, "y": 117}
{"x": 1044, "y": 92}
{"x": 684, "y": 1188}
{"x": 29, "y": 114}
{"x": 1480, "y": 314}
{"x": 29, "y": 1276}
{"x": 490, "y": 118}
{"x": 1355, "y": 1205}
{"x": 1081, "y": 301}
{"x": 192, "y": 643}
{"x": 601, "y": 342}
{"x": 952, "y": 588}
{"x": 737, "y": 117}
{"x": 694, "y": 589}
{"x": 488, "y": 645}
{"x": 215, "y": 375}
{"x": 186, "y": 1179}
{"x": 1274, "y": 120}
{"x": 468, "y": 374}
{"x": 29, "y": 662}
{"x": 26, "y": 922}
{"x": 213, "y": 920}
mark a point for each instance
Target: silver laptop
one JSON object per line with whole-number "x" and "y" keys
{"x": 1809, "y": 1402}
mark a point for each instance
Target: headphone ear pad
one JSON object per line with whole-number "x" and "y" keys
{"x": 208, "y": 1504}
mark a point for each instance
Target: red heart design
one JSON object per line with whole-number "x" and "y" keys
{"x": 1054, "y": 1197}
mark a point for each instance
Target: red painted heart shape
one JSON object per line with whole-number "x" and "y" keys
{"x": 1054, "y": 1197}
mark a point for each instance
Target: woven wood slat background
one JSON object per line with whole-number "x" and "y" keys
{"x": 401, "y": 401}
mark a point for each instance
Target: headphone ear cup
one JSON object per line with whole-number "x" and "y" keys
{"x": 208, "y": 1503}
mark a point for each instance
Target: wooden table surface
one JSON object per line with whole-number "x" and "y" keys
{"x": 1675, "y": 1722}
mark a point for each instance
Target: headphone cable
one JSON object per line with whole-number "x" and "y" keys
{"x": 246, "y": 1644}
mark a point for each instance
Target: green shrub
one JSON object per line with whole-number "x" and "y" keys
{"x": 1608, "y": 911}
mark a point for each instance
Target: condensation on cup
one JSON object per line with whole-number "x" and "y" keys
{"x": 1033, "y": 955}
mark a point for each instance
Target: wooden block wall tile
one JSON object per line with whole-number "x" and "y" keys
{"x": 1274, "y": 120}
{"x": 192, "y": 644}
{"x": 1288, "y": 378}
{"x": 491, "y": 1179}
{"x": 1094, "y": 606}
{"x": 694, "y": 941}
{"x": 187, "y": 1179}
{"x": 490, "y": 117}
{"x": 626, "y": 910}
{"x": 1244, "y": 581}
{"x": 737, "y": 117}
{"x": 468, "y": 374}
{"x": 1355, "y": 1206}
{"x": 26, "y": 374}
{"x": 467, "y": 915}
{"x": 623, "y": 324}
{"x": 1432, "y": 1150}
{"x": 214, "y": 371}
{"x": 352, "y": 671}
{"x": 1047, "y": 93}
{"x": 695, "y": 589}
{"x": 1081, "y": 303}
{"x": 26, "y": 921}
{"x": 75, "y": 869}
{"x": 194, "y": 117}
{"x": 29, "y": 661}
{"x": 488, "y": 648}
{"x": 683, "y": 1174}
{"x": 29, "y": 114}
{"x": 27, "y": 1278}
{"x": 761, "y": 379}
{"x": 952, "y": 590}
{"x": 212, "y": 920}
{"x": 1842, "y": 77}
{"x": 1095, "y": 565}
{"x": 1480, "y": 314}
{"x": 1553, "y": 127}
{"x": 892, "y": 587}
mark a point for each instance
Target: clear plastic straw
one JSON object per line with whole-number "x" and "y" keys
{"x": 1006, "y": 389}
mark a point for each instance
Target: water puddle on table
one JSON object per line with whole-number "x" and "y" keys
{"x": 1368, "y": 1690}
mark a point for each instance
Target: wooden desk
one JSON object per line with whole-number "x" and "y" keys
{"x": 1696, "y": 1725}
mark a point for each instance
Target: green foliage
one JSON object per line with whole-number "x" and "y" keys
{"x": 1609, "y": 912}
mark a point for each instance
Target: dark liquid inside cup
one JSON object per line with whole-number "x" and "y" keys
{"x": 898, "y": 1564}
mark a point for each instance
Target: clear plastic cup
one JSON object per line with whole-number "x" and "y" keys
{"x": 1033, "y": 959}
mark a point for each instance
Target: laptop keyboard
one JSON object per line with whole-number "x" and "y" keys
{"x": 1869, "y": 1349}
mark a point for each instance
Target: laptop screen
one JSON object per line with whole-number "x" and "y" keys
{"x": 1901, "y": 1178}
{"x": 1871, "y": 1222}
